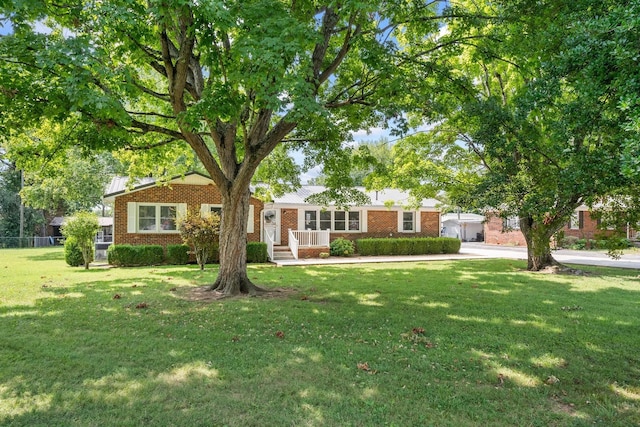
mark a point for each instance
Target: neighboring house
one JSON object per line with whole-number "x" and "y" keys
{"x": 500, "y": 231}
{"x": 467, "y": 227}
{"x": 146, "y": 213}
{"x": 104, "y": 235}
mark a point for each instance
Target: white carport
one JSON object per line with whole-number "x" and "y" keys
{"x": 467, "y": 227}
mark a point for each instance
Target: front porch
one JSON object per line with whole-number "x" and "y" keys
{"x": 302, "y": 244}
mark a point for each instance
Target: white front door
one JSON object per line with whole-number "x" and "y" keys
{"x": 271, "y": 225}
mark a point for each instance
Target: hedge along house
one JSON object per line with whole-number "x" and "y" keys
{"x": 292, "y": 225}
{"x": 147, "y": 213}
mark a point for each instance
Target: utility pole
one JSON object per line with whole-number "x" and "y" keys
{"x": 21, "y": 207}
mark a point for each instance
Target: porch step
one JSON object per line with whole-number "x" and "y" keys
{"x": 282, "y": 253}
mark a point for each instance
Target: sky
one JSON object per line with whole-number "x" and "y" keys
{"x": 5, "y": 26}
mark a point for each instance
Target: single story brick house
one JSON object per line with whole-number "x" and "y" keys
{"x": 582, "y": 225}
{"x": 146, "y": 213}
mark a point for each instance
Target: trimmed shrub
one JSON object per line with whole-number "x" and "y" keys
{"x": 73, "y": 253}
{"x": 408, "y": 246}
{"x": 257, "y": 252}
{"x": 450, "y": 245}
{"x": 130, "y": 255}
{"x": 83, "y": 227}
{"x": 341, "y": 247}
{"x": 177, "y": 254}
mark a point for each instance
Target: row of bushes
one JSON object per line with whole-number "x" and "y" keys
{"x": 136, "y": 255}
{"x": 408, "y": 246}
{"x": 572, "y": 242}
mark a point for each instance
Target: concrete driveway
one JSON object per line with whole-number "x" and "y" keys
{"x": 480, "y": 250}
{"x": 564, "y": 256}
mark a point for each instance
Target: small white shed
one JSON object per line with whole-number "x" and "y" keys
{"x": 467, "y": 227}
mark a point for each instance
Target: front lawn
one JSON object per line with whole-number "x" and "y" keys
{"x": 452, "y": 343}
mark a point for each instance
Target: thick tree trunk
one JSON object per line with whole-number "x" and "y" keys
{"x": 232, "y": 277}
{"x": 538, "y": 238}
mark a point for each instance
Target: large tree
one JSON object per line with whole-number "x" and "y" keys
{"x": 533, "y": 99}
{"x": 229, "y": 80}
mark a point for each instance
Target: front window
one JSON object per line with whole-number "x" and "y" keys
{"x": 325, "y": 220}
{"x": 310, "y": 222}
{"x": 168, "y": 217}
{"x": 217, "y": 210}
{"x": 408, "y": 221}
{"x": 147, "y": 218}
{"x": 340, "y": 220}
{"x": 157, "y": 218}
{"x": 332, "y": 220}
{"x": 354, "y": 221}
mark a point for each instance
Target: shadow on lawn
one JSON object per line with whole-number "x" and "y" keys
{"x": 496, "y": 337}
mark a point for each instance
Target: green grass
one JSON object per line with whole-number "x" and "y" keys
{"x": 455, "y": 343}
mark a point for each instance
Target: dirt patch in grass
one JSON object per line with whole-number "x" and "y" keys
{"x": 563, "y": 269}
{"x": 205, "y": 294}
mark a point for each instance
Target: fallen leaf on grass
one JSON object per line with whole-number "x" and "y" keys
{"x": 280, "y": 334}
{"x": 173, "y": 289}
{"x": 365, "y": 367}
{"x": 142, "y": 305}
{"x": 551, "y": 380}
{"x": 501, "y": 378}
{"x": 418, "y": 331}
{"x": 117, "y": 296}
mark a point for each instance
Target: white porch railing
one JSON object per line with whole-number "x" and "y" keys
{"x": 270, "y": 243}
{"x": 307, "y": 238}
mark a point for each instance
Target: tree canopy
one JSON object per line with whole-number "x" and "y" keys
{"x": 530, "y": 122}
{"x": 227, "y": 81}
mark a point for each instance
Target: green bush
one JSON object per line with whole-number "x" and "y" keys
{"x": 341, "y": 247}
{"x": 177, "y": 254}
{"x": 408, "y": 246}
{"x": 257, "y": 252}
{"x": 450, "y": 245}
{"x": 134, "y": 255}
{"x": 73, "y": 253}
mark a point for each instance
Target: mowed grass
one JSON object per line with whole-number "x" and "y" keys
{"x": 451, "y": 343}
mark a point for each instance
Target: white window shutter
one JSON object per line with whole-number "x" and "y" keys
{"x": 363, "y": 221}
{"x": 181, "y": 211}
{"x": 131, "y": 217}
{"x": 205, "y": 209}
{"x": 250, "y": 220}
{"x": 417, "y": 219}
{"x": 400, "y": 212}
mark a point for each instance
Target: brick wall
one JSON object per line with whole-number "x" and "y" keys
{"x": 192, "y": 195}
{"x": 588, "y": 230}
{"x": 494, "y": 235}
{"x": 288, "y": 220}
{"x": 430, "y": 224}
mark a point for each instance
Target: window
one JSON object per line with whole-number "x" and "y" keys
{"x": 157, "y": 218}
{"x": 325, "y": 220}
{"x": 332, "y": 220}
{"x": 354, "y": 221}
{"x": 577, "y": 220}
{"x": 217, "y": 210}
{"x": 408, "y": 223}
{"x": 310, "y": 222}
{"x": 340, "y": 220}
{"x": 511, "y": 223}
